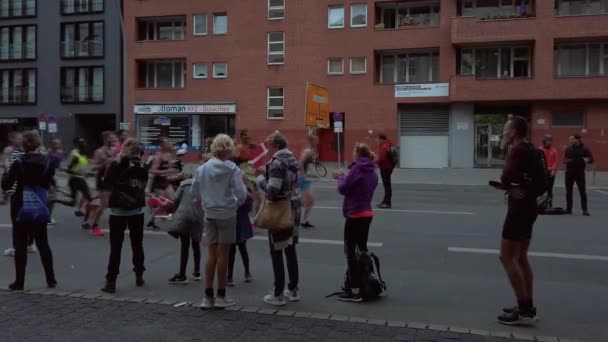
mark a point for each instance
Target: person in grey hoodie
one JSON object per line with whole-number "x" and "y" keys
{"x": 218, "y": 185}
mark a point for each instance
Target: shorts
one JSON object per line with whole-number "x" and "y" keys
{"x": 102, "y": 185}
{"x": 79, "y": 184}
{"x": 221, "y": 231}
{"x": 519, "y": 222}
{"x": 305, "y": 185}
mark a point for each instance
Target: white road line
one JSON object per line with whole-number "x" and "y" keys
{"x": 537, "y": 254}
{"x": 408, "y": 211}
{"x": 602, "y": 192}
{"x": 6, "y": 225}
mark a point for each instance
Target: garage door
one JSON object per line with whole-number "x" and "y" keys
{"x": 424, "y": 139}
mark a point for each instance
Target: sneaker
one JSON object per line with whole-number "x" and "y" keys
{"x": 15, "y": 287}
{"x": 96, "y": 231}
{"x": 307, "y": 225}
{"x": 52, "y": 222}
{"x": 196, "y": 276}
{"x": 9, "y": 252}
{"x": 85, "y": 226}
{"x": 384, "y": 206}
{"x": 230, "y": 282}
{"x": 78, "y": 213}
{"x": 207, "y": 303}
{"x": 350, "y": 297}
{"x": 223, "y": 302}
{"x": 516, "y": 308}
{"x": 110, "y": 286}
{"x": 139, "y": 280}
{"x": 248, "y": 278}
{"x": 152, "y": 225}
{"x": 275, "y": 300}
{"x": 32, "y": 249}
{"x": 586, "y": 213}
{"x": 518, "y": 318}
{"x": 51, "y": 284}
{"x": 292, "y": 295}
{"x": 178, "y": 280}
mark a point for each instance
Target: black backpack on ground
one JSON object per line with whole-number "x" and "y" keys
{"x": 537, "y": 174}
{"x": 130, "y": 189}
{"x": 371, "y": 285}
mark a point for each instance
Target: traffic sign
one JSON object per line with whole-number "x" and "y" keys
{"x": 338, "y": 117}
{"x": 338, "y": 127}
{"x": 41, "y": 122}
{"x": 52, "y": 121}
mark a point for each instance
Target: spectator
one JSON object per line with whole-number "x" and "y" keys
{"x": 386, "y": 165}
{"x": 576, "y": 159}
{"x": 244, "y": 232}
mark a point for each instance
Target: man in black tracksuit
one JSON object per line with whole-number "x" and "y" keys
{"x": 576, "y": 159}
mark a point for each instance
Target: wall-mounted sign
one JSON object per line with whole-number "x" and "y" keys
{"x": 162, "y": 121}
{"x": 52, "y": 124}
{"x": 11, "y": 121}
{"x": 185, "y": 109}
{"x": 422, "y": 90}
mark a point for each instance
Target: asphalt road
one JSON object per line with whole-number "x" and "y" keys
{"x": 438, "y": 252}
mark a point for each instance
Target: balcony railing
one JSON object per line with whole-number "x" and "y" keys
{"x": 82, "y": 94}
{"x": 397, "y": 15}
{"x": 78, "y": 49}
{"x": 18, "y": 95}
{"x": 13, "y": 52}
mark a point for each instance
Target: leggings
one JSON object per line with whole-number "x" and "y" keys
{"x": 184, "y": 254}
{"x": 232, "y": 256}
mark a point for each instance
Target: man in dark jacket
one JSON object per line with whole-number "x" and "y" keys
{"x": 386, "y": 165}
{"x": 576, "y": 159}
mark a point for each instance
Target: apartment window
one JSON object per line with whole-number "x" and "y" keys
{"x": 200, "y": 24}
{"x": 335, "y": 17}
{"x": 18, "y": 86}
{"x": 276, "y": 9}
{"x": 496, "y": 62}
{"x": 276, "y": 103}
{"x": 358, "y": 15}
{"x": 81, "y": 6}
{"x": 199, "y": 70}
{"x": 220, "y": 70}
{"x": 82, "y": 84}
{"x": 568, "y": 119}
{"x": 276, "y": 47}
{"x": 580, "y": 7}
{"x": 392, "y": 15}
{"x": 161, "y": 74}
{"x": 17, "y": 8}
{"x": 409, "y": 67}
{"x": 17, "y": 43}
{"x": 358, "y": 65}
{"x": 581, "y": 59}
{"x": 82, "y": 40}
{"x": 335, "y": 66}
{"x": 165, "y": 28}
{"x": 497, "y": 9}
{"x": 220, "y": 23}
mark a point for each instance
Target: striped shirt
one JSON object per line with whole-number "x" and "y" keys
{"x": 15, "y": 154}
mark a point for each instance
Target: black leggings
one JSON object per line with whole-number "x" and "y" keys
{"x": 23, "y": 232}
{"x": 232, "y": 256}
{"x": 356, "y": 233}
{"x": 184, "y": 254}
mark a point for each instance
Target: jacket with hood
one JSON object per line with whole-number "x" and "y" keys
{"x": 219, "y": 186}
{"x": 32, "y": 169}
{"x": 281, "y": 178}
{"x": 358, "y": 187}
{"x": 575, "y": 158}
{"x": 384, "y": 163}
{"x": 127, "y": 179}
{"x": 188, "y": 217}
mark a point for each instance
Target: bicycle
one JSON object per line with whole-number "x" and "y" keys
{"x": 319, "y": 167}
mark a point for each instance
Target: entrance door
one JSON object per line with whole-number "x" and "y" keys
{"x": 488, "y": 150}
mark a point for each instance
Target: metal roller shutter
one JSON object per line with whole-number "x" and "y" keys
{"x": 424, "y": 138}
{"x": 424, "y": 122}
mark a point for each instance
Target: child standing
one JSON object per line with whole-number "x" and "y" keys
{"x": 244, "y": 232}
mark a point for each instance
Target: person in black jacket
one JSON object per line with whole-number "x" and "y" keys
{"x": 33, "y": 169}
{"x": 576, "y": 159}
{"x": 127, "y": 179}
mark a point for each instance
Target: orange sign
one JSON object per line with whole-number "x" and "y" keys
{"x": 317, "y": 106}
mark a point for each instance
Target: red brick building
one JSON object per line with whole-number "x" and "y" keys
{"x": 439, "y": 76}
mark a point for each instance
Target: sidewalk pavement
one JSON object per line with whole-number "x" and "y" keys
{"x": 61, "y": 316}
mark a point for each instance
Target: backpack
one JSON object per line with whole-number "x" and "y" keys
{"x": 537, "y": 174}
{"x": 371, "y": 285}
{"x": 393, "y": 155}
{"x": 130, "y": 190}
{"x": 35, "y": 201}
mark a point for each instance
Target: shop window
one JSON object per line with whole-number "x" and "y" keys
{"x": 276, "y": 103}
{"x": 358, "y": 65}
{"x": 568, "y": 119}
{"x": 220, "y": 70}
{"x": 81, "y": 6}
{"x": 82, "y": 40}
{"x": 276, "y": 9}
{"x": 17, "y": 8}
{"x": 496, "y": 62}
{"x": 358, "y": 15}
{"x": 335, "y": 66}
{"x": 409, "y": 67}
{"x": 18, "y": 43}
{"x": 18, "y": 86}
{"x": 166, "y": 28}
{"x": 200, "y": 24}
{"x": 220, "y": 23}
{"x": 335, "y": 17}
{"x": 581, "y": 59}
{"x": 161, "y": 74}
{"x": 82, "y": 85}
{"x": 199, "y": 70}
{"x": 151, "y": 128}
{"x": 276, "y": 47}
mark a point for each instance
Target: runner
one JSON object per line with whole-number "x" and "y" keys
{"x": 305, "y": 182}
{"x": 103, "y": 157}
{"x": 162, "y": 171}
{"x": 55, "y": 155}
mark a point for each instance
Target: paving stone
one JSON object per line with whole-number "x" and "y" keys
{"x": 35, "y": 291}
{"x": 300, "y": 314}
{"x": 106, "y": 297}
{"x": 502, "y": 334}
{"x": 355, "y": 319}
{"x": 320, "y": 316}
{"x": 285, "y": 313}
{"x": 417, "y": 325}
{"x": 567, "y": 340}
{"x": 460, "y": 330}
{"x": 267, "y": 311}
{"x": 339, "y": 318}
{"x": 479, "y": 332}
{"x": 519, "y": 336}
{"x": 136, "y": 300}
{"x": 90, "y": 296}
{"x": 152, "y": 301}
{"x": 547, "y": 339}
{"x": 47, "y": 292}
{"x": 438, "y": 327}
{"x": 250, "y": 309}
{"x": 61, "y": 294}
{"x": 376, "y": 322}
{"x": 120, "y": 299}
{"x": 405, "y": 338}
{"x": 76, "y": 295}
{"x": 167, "y": 302}
{"x": 397, "y": 324}
{"x": 230, "y": 308}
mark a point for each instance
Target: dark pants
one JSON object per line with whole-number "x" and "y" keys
{"x": 278, "y": 267}
{"x": 14, "y": 211}
{"x": 356, "y": 232}
{"x": 550, "y": 190}
{"x": 579, "y": 179}
{"x": 185, "y": 252}
{"x": 22, "y": 233}
{"x": 232, "y": 256}
{"x": 388, "y": 187}
{"x": 118, "y": 225}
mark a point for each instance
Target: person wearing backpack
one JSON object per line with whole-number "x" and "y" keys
{"x": 357, "y": 187}
{"x": 386, "y": 162}
{"x": 126, "y": 178}
{"x": 33, "y": 174}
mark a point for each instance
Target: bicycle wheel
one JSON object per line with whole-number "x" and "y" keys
{"x": 321, "y": 170}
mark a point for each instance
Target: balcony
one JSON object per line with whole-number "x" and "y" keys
{"x": 401, "y": 14}
{"x": 586, "y": 26}
{"x": 82, "y": 49}
{"x": 467, "y": 30}
{"x": 70, "y": 7}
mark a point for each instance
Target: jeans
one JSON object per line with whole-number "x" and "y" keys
{"x": 356, "y": 233}
{"x": 278, "y": 268}
{"x": 23, "y": 233}
{"x": 388, "y": 187}
{"x": 232, "y": 256}
{"x": 579, "y": 179}
{"x": 118, "y": 225}
{"x": 184, "y": 254}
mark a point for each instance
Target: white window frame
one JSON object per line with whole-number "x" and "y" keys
{"x": 499, "y": 70}
{"x": 358, "y": 72}
{"x": 195, "y": 75}
{"x": 203, "y": 15}
{"x": 275, "y": 53}
{"x": 395, "y": 65}
{"x": 352, "y": 6}
{"x": 220, "y": 14}
{"x": 154, "y": 64}
{"x": 215, "y": 75}
{"x": 603, "y": 58}
{"x": 276, "y": 8}
{"x": 329, "y": 60}
{"x": 269, "y": 107}
{"x": 335, "y": 7}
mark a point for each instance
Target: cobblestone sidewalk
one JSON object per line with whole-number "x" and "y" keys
{"x": 59, "y": 317}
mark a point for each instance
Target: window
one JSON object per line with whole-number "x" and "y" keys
{"x": 276, "y": 47}
{"x": 199, "y": 70}
{"x": 276, "y": 9}
{"x": 161, "y": 74}
{"x": 175, "y": 128}
{"x": 220, "y": 23}
{"x": 82, "y": 85}
{"x": 200, "y": 24}
{"x": 335, "y": 66}
{"x": 568, "y": 119}
{"x": 165, "y": 28}
{"x": 409, "y": 67}
{"x": 358, "y": 15}
{"x": 496, "y": 62}
{"x": 581, "y": 59}
{"x": 81, "y": 6}
{"x": 335, "y": 17}
{"x": 220, "y": 70}
{"x": 17, "y": 8}
{"x": 392, "y": 15}
{"x": 18, "y": 86}
{"x": 358, "y": 65}
{"x": 276, "y": 103}
{"x": 496, "y": 9}
{"x": 580, "y": 7}
{"x": 17, "y": 43}
{"x": 83, "y": 39}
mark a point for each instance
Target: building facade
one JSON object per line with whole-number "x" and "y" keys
{"x": 61, "y": 60}
{"x": 438, "y": 76}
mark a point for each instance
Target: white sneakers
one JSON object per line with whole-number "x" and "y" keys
{"x": 9, "y": 252}
{"x": 288, "y": 295}
{"x": 292, "y": 295}
{"x": 32, "y": 249}
{"x": 217, "y": 303}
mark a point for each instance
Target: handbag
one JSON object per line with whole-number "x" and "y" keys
{"x": 275, "y": 215}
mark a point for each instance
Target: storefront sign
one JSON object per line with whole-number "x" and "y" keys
{"x": 185, "y": 109}
{"x": 9, "y": 121}
{"x": 162, "y": 121}
{"x": 422, "y": 90}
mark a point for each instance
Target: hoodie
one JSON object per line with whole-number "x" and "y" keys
{"x": 358, "y": 187}
{"x": 281, "y": 177}
{"x": 219, "y": 186}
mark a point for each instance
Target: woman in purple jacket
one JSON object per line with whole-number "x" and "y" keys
{"x": 357, "y": 187}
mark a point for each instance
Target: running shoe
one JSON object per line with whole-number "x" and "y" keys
{"x": 223, "y": 302}
{"x": 230, "y": 282}
{"x": 350, "y": 297}
{"x": 196, "y": 276}
{"x": 96, "y": 231}
{"x": 248, "y": 278}
{"x": 78, "y": 213}
{"x": 85, "y": 226}
{"x": 307, "y": 225}
{"x": 292, "y": 295}
{"x": 207, "y": 303}
{"x": 275, "y": 300}
{"x": 518, "y": 317}
{"x": 178, "y": 280}
{"x": 52, "y": 222}
{"x": 9, "y": 252}
{"x": 32, "y": 249}
{"x": 15, "y": 287}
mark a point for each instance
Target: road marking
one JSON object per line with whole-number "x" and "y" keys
{"x": 537, "y": 254}
{"x": 408, "y": 211}
{"x": 602, "y": 192}
{"x": 6, "y": 225}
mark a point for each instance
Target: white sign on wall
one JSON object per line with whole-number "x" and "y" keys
{"x": 185, "y": 109}
{"x": 422, "y": 90}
